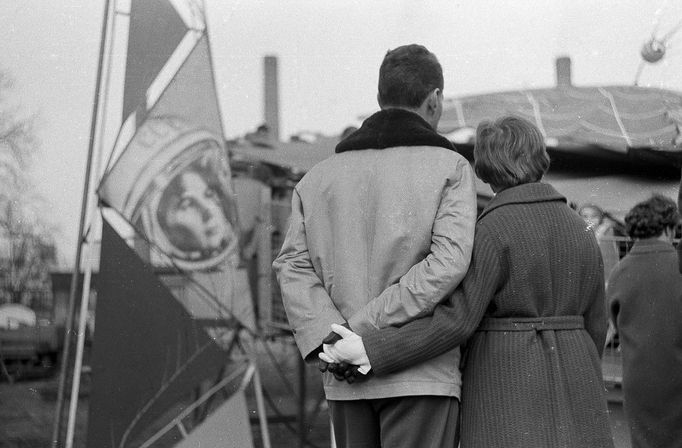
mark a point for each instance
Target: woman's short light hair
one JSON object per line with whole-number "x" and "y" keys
{"x": 509, "y": 151}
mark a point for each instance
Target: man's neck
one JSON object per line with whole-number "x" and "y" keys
{"x": 419, "y": 111}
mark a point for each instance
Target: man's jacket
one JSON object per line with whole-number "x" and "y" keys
{"x": 379, "y": 234}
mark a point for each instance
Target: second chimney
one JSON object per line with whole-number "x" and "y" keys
{"x": 563, "y": 71}
{"x": 271, "y": 94}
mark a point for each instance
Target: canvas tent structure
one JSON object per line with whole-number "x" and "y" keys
{"x": 629, "y": 121}
{"x": 612, "y": 117}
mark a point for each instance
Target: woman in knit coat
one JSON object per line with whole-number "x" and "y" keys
{"x": 532, "y": 304}
{"x": 645, "y": 298}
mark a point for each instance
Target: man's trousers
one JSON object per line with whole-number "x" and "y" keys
{"x": 423, "y": 421}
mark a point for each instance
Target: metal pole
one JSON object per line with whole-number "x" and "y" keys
{"x": 56, "y": 428}
{"x": 260, "y": 405}
{"x": 75, "y": 384}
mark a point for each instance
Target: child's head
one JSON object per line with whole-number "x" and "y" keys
{"x": 650, "y": 218}
{"x": 592, "y": 214}
{"x": 509, "y": 151}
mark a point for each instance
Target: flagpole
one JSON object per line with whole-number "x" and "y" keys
{"x": 75, "y": 384}
{"x": 56, "y": 429}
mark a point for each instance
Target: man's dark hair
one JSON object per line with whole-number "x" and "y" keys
{"x": 407, "y": 75}
{"x": 650, "y": 218}
{"x": 509, "y": 151}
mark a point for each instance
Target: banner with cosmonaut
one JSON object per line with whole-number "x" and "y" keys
{"x": 169, "y": 178}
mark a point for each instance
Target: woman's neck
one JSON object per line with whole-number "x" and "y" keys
{"x": 666, "y": 236}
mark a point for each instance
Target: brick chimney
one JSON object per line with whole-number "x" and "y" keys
{"x": 563, "y": 71}
{"x": 271, "y": 96}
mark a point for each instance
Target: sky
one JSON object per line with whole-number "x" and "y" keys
{"x": 328, "y": 54}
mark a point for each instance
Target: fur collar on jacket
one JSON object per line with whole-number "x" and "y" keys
{"x": 389, "y": 128}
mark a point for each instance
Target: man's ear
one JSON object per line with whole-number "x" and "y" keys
{"x": 669, "y": 233}
{"x": 433, "y": 101}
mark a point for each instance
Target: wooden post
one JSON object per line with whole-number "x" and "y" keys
{"x": 264, "y": 234}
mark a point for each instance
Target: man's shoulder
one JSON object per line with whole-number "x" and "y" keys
{"x": 431, "y": 151}
{"x": 321, "y": 169}
{"x": 442, "y": 159}
{"x": 431, "y": 159}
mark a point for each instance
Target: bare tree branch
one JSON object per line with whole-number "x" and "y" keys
{"x": 26, "y": 244}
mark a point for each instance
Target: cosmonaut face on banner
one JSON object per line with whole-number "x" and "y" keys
{"x": 193, "y": 211}
{"x": 186, "y": 207}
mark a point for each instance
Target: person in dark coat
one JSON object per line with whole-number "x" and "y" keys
{"x": 532, "y": 304}
{"x": 679, "y": 207}
{"x": 645, "y": 299}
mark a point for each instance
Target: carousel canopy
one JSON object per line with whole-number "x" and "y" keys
{"x": 618, "y": 119}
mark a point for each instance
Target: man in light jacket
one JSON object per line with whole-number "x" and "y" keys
{"x": 379, "y": 234}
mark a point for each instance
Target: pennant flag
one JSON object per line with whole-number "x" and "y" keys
{"x": 180, "y": 128}
{"x": 174, "y": 300}
{"x": 155, "y": 31}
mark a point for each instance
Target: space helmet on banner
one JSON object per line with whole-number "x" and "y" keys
{"x": 181, "y": 195}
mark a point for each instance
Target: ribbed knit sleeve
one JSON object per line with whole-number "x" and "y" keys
{"x": 452, "y": 323}
{"x": 396, "y": 348}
